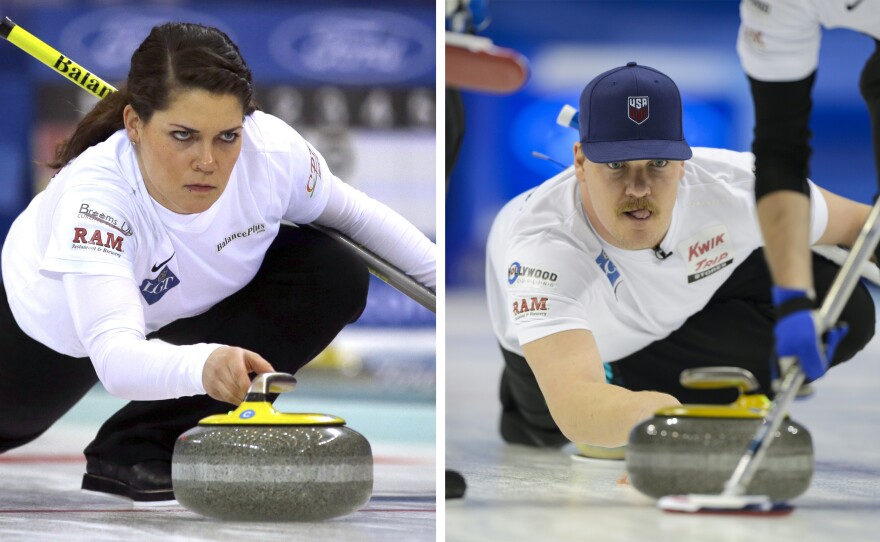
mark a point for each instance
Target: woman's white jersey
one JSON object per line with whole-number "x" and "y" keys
{"x": 548, "y": 271}
{"x": 779, "y": 39}
{"x": 148, "y": 266}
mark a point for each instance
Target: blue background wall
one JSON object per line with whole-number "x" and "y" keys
{"x": 694, "y": 42}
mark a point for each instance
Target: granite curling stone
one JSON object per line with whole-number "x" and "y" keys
{"x": 258, "y": 464}
{"x": 695, "y": 448}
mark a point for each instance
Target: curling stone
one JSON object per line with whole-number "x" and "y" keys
{"x": 258, "y": 464}
{"x": 695, "y": 448}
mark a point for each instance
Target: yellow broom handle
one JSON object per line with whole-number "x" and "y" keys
{"x": 43, "y": 52}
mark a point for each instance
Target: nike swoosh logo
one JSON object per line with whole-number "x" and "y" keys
{"x": 159, "y": 266}
{"x": 854, "y": 5}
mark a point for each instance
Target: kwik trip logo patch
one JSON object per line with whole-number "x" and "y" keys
{"x": 529, "y": 306}
{"x": 707, "y": 252}
{"x": 523, "y": 275}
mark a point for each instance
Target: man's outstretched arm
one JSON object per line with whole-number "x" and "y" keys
{"x": 586, "y": 409}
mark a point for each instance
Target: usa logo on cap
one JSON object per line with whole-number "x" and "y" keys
{"x": 637, "y": 108}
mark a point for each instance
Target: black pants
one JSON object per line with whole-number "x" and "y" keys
{"x": 307, "y": 289}
{"x": 734, "y": 329}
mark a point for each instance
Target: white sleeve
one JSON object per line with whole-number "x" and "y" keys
{"x": 538, "y": 307}
{"x": 91, "y": 233}
{"x": 380, "y": 229}
{"x": 307, "y": 179}
{"x": 111, "y": 328}
{"x": 778, "y": 41}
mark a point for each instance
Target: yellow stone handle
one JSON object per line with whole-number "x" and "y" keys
{"x": 714, "y": 378}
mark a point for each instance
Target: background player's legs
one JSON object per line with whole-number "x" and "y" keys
{"x": 735, "y": 329}
{"x": 308, "y": 288}
{"x": 37, "y": 384}
{"x": 869, "y": 85}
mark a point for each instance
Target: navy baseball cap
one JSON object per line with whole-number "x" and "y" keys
{"x": 632, "y": 113}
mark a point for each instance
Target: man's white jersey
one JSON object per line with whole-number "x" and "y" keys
{"x": 779, "y": 39}
{"x": 548, "y": 271}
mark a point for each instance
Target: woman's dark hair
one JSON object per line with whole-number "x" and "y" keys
{"x": 174, "y": 56}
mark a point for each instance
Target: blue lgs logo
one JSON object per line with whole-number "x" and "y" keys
{"x": 247, "y": 414}
{"x": 154, "y": 289}
{"x": 609, "y": 268}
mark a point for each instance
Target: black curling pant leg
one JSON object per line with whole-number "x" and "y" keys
{"x": 37, "y": 384}
{"x": 869, "y": 86}
{"x": 308, "y": 288}
{"x": 525, "y": 416}
{"x": 736, "y": 329}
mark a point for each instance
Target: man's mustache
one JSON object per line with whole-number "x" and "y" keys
{"x": 637, "y": 204}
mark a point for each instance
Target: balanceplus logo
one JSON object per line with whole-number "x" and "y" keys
{"x": 254, "y": 229}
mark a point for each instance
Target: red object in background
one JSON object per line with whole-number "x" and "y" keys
{"x": 475, "y": 63}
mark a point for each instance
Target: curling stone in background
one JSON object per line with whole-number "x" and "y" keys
{"x": 258, "y": 464}
{"x": 695, "y": 448}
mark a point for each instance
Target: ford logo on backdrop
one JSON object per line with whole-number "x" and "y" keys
{"x": 354, "y": 46}
{"x": 103, "y": 40}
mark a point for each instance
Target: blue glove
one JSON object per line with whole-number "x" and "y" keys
{"x": 795, "y": 332}
{"x": 468, "y": 16}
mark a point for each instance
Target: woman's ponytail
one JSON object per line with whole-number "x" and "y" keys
{"x": 100, "y": 123}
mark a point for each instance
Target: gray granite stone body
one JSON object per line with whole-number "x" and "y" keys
{"x": 679, "y": 455}
{"x": 272, "y": 473}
